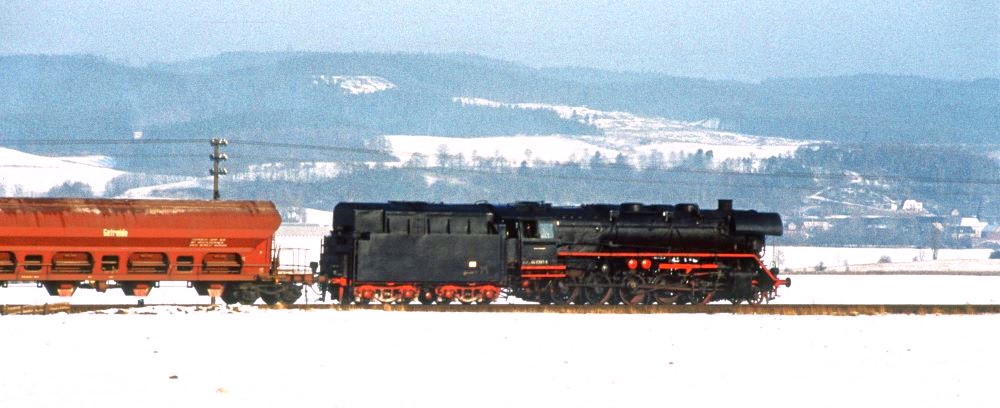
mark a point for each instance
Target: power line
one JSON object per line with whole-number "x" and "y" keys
{"x": 73, "y": 142}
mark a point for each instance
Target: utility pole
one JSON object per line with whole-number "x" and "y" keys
{"x": 216, "y": 171}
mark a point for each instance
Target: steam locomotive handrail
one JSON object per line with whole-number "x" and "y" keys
{"x": 654, "y": 254}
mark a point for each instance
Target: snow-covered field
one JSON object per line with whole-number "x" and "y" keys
{"x": 631, "y": 135}
{"x": 168, "y": 356}
{"x": 354, "y": 84}
{"x": 25, "y": 174}
{"x": 840, "y": 258}
{"x": 249, "y": 357}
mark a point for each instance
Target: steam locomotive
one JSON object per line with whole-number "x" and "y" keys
{"x": 590, "y": 254}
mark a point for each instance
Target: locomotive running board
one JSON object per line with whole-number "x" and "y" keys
{"x": 777, "y": 282}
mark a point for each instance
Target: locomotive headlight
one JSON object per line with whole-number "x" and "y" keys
{"x": 473, "y": 264}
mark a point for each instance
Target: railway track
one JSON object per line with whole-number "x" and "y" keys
{"x": 787, "y": 310}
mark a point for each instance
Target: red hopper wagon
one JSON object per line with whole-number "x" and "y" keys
{"x": 221, "y": 248}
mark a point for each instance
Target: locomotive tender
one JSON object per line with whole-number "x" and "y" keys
{"x": 590, "y": 254}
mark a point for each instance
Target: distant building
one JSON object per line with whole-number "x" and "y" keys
{"x": 912, "y": 206}
{"x": 974, "y": 224}
{"x": 817, "y": 225}
{"x": 992, "y": 233}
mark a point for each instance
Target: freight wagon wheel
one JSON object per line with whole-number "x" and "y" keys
{"x": 229, "y": 295}
{"x": 269, "y": 299}
{"x": 630, "y": 293}
{"x": 247, "y": 296}
{"x": 597, "y": 289}
{"x": 290, "y": 294}
{"x": 664, "y": 296}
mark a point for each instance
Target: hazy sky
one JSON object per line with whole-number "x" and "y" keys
{"x": 706, "y": 39}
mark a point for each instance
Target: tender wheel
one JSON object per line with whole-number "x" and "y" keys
{"x": 467, "y": 297}
{"x": 427, "y": 296}
{"x": 386, "y": 296}
{"x": 664, "y": 296}
{"x": 597, "y": 289}
{"x": 630, "y": 293}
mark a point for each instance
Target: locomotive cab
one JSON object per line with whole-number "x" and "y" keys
{"x": 537, "y": 242}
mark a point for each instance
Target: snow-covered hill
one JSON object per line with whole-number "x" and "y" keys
{"x": 354, "y": 84}
{"x": 169, "y": 190}
{"x": 635, "y": 137}
{"x": 24, "y": 174}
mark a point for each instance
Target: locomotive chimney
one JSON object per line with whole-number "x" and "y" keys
{"x": 726, "y": 206}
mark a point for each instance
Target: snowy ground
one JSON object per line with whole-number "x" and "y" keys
{"x": 251, "y": 357}
{"x": 631, "y": 135}
{"x": 24, "y": 174}
{"x": 801, "y": 258}
{"x": 169, "y": 356}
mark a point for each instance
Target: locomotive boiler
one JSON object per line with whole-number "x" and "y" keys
{"x": 591, "y": 254}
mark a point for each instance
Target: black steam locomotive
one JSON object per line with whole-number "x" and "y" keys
{"x": 397, "y": 252}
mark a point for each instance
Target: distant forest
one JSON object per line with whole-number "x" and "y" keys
{"x": 271, "y": 96}
{"x": 888, "y": 138}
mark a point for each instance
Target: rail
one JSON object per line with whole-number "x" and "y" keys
{"x": 785, "y": 310}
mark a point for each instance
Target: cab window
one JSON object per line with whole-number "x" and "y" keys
{"x": 530, "y": 229}
{"x": 546, "y": 230}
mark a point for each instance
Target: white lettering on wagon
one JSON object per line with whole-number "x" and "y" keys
{"x": 208, "y": 242}
{"x": 117, "y": 233}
